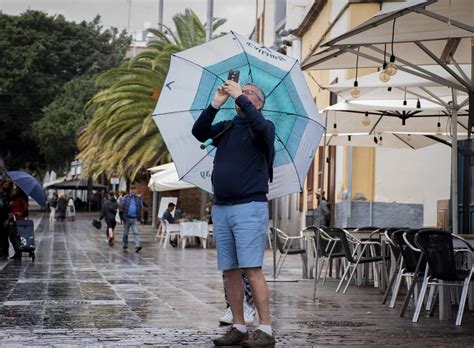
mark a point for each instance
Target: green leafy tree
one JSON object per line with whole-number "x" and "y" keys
{"x": 121, "y": 136}
{"x": 56, "y": 131}
{"x": 38, "y": 55}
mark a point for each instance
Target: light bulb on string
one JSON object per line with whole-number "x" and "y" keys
{"x": 384, "y": 76}
{"x": 334, "y": 130}
{"x": 355, "y": 91}
{"x": 418, "y": 104}
{"x": 380, "y": 141}
{"x": 439, "y": 131}
{"x": 408, "y": 137}
{"x": 405, "y": 97}
{"x": 366, "y": 119}
{"x": 391, "y": 67}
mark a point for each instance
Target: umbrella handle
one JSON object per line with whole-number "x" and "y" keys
{"x": 206, "y": 143}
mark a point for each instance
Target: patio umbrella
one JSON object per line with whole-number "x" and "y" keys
{"x": 193, "y": 77}
{"x": 29, "y": 185}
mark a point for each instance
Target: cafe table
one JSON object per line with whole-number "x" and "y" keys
{"x": 194, "y": 229}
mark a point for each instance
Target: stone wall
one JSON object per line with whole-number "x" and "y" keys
{"x": 383, "y": 214}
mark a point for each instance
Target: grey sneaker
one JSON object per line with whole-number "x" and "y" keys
{"x": 231, "y": 338}
{"x": 259, "y": 339}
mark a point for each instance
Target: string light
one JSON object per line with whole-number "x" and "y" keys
{"x": 439, "y": 131}
{"x": 391, "y": 67}
{"x": 334, "y": 130}
{"x": 418, "y": 104}
{"x": 405, "y": 97}
{"x": 366, "y": 119}
{"x": 383, "y": 76}
{"x": 380, "y": 141}
{"x": 355, "y": 92}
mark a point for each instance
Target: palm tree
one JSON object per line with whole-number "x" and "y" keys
{"x": 121, "y": 136}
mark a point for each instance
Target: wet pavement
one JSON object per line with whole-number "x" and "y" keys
{"x": 81, "y": 292}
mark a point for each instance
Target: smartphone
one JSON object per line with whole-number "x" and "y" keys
{"x": 233, "y": 75}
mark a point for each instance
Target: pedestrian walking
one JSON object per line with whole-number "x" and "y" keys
{"x": 109, "y": 213}
{"x": 71, "y": 210}
{"x": 61, "y": 208}
{"x": 242, "y": 165}
{"x": 5, "y": 198}
{"x": 53, "y": 203}
{"x": 132, "y": 208}
{"x": 18, "y": 212}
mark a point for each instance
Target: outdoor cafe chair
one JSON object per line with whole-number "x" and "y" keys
{"x": 169, "y": 230}
{"x": 445, "y": 266}
{"x": 284, "y": 244}
{"x": 355, "y": 255}
{"x": 395, "y": 250}
{"x": 328, "y": 247}
{"x": 410, "y": 266}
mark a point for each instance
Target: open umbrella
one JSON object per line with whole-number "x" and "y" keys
{"x": 29, "y": 185}
{"x": 192, "y": 80}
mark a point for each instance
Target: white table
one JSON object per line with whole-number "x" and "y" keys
{"x": 194, "y": 229}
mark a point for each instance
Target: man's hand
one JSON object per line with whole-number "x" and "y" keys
{"x": 220, "y": 97}
{"x": 232, "y": 88}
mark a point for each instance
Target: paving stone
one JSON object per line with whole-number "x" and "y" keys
{"x": 81, "y": 292}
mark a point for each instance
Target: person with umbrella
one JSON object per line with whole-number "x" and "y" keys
{"x": 5, "y": 198}
{"x": 240, "y": 212}
{"x": 18, "y": 212}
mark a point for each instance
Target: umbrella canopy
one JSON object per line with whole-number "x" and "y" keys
{"x": 193, "y": 78}
{"x": 388, "y": 140}
{"x": 417, "y": 33}
{"x": 416, "y": 20}
{"x": 357, "y": 118}
{"x": 402, "y": 86}
{"x": 166, "y": 179}
{"x": 29, "y": 185}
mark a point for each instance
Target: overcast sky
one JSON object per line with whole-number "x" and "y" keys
{"x": 240, "y": 14}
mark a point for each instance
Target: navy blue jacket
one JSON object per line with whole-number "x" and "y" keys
{"x": 240, "y": 172}
{"x": 126, "y": 205}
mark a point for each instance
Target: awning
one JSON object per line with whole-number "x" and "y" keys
{"x": 80, "y": 184}
{"x": 166, "y": 179}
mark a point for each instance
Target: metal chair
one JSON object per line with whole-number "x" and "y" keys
{"x": 284, "y": 244}
{"x": 328, "y": 247}
{"x": 437, "y": 246}
{"x": 395, "y": 250}
{"x": 411, "y": 265}
{"x": 355, "y": 255}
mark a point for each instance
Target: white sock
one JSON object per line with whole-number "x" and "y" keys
{"x": 267, "y": 329}
{"x": 240, "y": 327}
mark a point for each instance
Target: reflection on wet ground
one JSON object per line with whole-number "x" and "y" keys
{"x": 79, "y": 291}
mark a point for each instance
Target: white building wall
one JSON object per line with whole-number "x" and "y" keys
{"x": 409, "y": 176}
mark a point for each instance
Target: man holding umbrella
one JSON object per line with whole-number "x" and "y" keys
{"x": 240, "y": 212}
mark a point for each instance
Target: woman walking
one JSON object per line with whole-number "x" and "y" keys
{"x": 109, "y": 211}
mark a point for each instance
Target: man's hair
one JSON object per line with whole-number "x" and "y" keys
{"x": 111, "y": 194}
{"x": 133, "y": 186}
{"x": 260, "y": 94}
{"x": 171, "y": 205}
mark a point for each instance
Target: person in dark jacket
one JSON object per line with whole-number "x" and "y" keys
{"x": 61, "y": 208}
{"x": 240, "y": 212}
{"x": 132, "y": 208}
{"x": 5, "y": 198}
{"x": 109, "y": 212}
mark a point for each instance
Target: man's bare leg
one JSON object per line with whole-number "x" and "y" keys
{"x": 235, "y": 292}
{"x": 260, "y": 293}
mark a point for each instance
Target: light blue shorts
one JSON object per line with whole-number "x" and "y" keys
{"x": 240, "y": 232}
